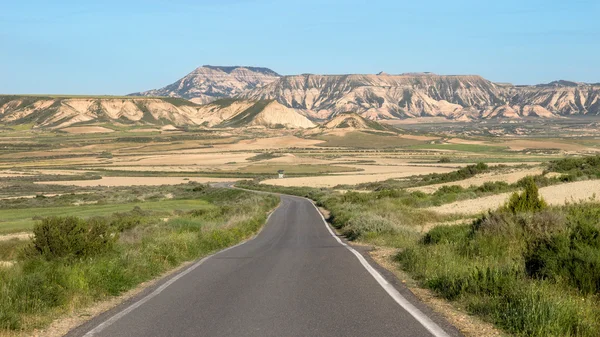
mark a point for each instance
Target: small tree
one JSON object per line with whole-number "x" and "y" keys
{"x": 528, "y": 201}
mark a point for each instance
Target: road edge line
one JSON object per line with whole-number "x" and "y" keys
{"x": 110, "y": 321}
{"x": 423, "y": 319}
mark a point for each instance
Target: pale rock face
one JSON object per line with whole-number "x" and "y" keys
{"x": 386, "y": 96}
{"x": 207, "y": 83}
{"x": 275, "y": 114}
{"x": 57, "y": 113}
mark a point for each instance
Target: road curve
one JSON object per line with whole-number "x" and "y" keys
{"x": 294, "y": 279}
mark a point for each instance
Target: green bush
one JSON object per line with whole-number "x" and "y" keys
{"x": 63, "y": 237}
{"x": 527, "y": 201}
{"x": 572, "y": 254}
{"x": 446, "y": 234}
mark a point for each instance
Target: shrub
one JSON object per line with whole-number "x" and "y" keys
{"x": 63, "y": 237}
{"x": 444, "y": 160}
{"x": 446, "y": 234}
{"x": 527, "y": 201}
{"x": 493, "y": 187}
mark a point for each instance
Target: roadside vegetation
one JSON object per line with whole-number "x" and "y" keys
{"x": 529, "y": 268}
{"x": 73, "y": 262}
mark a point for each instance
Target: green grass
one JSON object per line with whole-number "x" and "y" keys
{"x": 41, "y": 286}
{"x": 16, "y": 220}
{"x": 531, "y": 271}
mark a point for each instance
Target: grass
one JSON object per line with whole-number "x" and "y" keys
{"x": 17, "y": 220}
{"x": 42, "y": 286}
{"x": 529, "y": 269}
{"x": 264, "y": 156}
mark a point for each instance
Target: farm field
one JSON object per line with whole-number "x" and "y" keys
{"x": 153, "y": 184}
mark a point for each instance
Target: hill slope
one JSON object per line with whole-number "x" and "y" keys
{"x": 60, "y": 112}
{"x": 355, "y": 121}
{"x": 209, "y": 83}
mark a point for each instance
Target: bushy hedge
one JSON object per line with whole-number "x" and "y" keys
{"x": 64, "y": 237}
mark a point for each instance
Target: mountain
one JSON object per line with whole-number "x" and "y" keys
{"x": 383, "y": 96}
{"x": 209, "y": 83}
{"x": 352, "y": 120}
{"x": 56, "y": 112}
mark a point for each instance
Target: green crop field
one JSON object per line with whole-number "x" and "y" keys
{"x": 17, "y": 220}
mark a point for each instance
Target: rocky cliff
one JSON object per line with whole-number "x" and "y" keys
{"x": 386, "y": 96}
{"x": 209, "y": 83}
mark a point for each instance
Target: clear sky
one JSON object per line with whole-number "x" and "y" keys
{"x": 118, "y": 47}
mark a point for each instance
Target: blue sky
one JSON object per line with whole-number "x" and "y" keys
{"x": 118, "y": 47}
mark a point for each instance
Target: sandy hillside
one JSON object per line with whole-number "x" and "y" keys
{"x": 275, "y": 114}
{"x": 137, "y": 181}
{"x": 554, "y": 195}
{"x": 510, "y": 178}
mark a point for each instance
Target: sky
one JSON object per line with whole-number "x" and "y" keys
{"x": 118, "y": 47}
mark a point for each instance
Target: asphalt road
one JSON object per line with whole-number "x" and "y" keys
{"x": 294, "y": 279}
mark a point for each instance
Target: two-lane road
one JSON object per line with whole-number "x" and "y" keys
{"x": 294, "y": 279}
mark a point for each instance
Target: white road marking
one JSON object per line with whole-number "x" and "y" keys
{"x": 425, "y": 321}
{"x": 160, "y": 289}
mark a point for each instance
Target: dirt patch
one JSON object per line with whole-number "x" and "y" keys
{"x": 510, "y": 178}
{"x": 6, "y": 264}
{"x": 554, "y": 195}
{"x": 203, "y": 159}
{"x": 87, "y": 129}
{"x": 137, "y": 181}
{"x": 16, "y": 236}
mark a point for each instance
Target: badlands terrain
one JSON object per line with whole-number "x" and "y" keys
{"x": 249, "y": 96}
{"x": 124, "y": 162}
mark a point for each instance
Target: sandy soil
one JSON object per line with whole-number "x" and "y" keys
{"x": 394, "y": 169}
{"x": 137, "y": 181}
{"x": 6, "y": 264}
{"x": 87, "y": 129}
{"x": 17, "y": 236}
{"x": 417, "y": 137}
{"x": 4, "y": 174}
{"x": 511, "y": 177}
{"x": 522, "y": 144}
{"x": 353, "y": 179}
{"x": 203, "y": 159}
{"x": 144, "y": 130}
{"x": 554, "y": 195}
{"x": 268, "y": 143}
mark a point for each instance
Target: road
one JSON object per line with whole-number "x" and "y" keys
{"x": 293, "y": 279}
